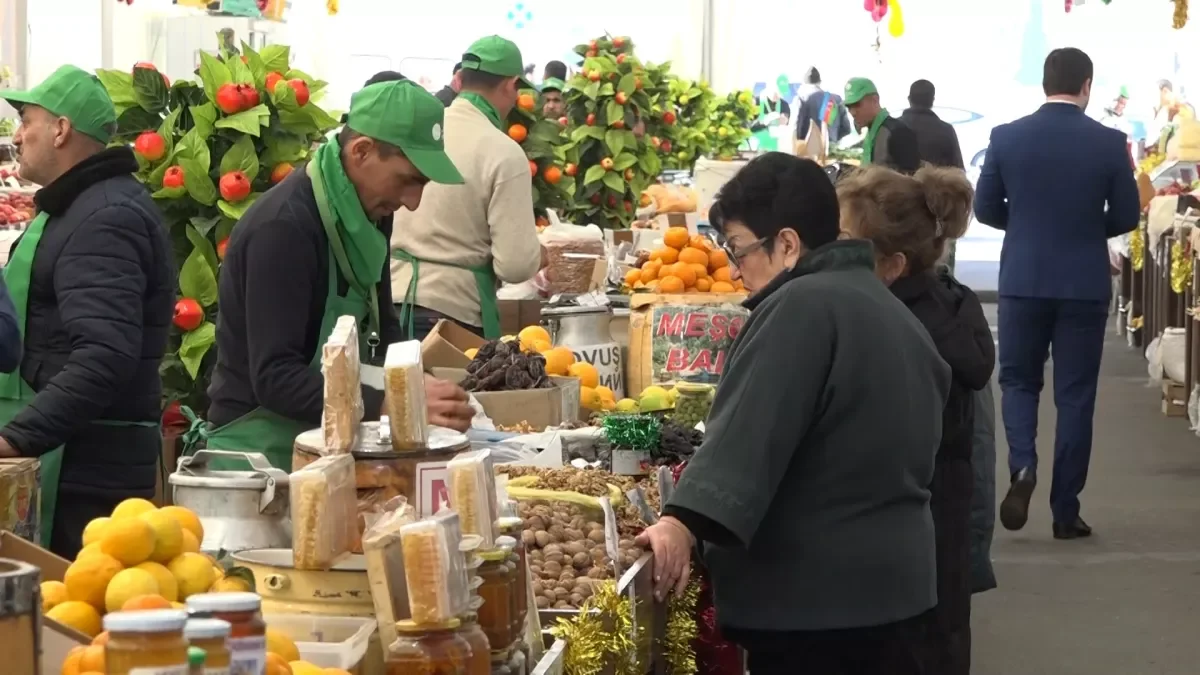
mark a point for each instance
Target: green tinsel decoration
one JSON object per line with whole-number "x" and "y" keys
{"x": 632, "y": 432}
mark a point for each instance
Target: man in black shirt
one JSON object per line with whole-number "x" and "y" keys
{"x": 450, "y": 92}
{"x": 315, "y": 248}
{"x": 936, "y": 140}
{"x": 821, "y": 107}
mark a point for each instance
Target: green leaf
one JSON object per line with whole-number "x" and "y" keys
{"x": 624, "y": 161}
{"x": 204, "y": 117}
{"x": 607, "y": 89}
{"x": 247, "y": 121}
{"x": 615, "y": 140}
{"x": 155, "y": 178}
{"x": 169, "y": 193}
{"x": 195, "y": 345}
{"x": 615, "y": 111}
{"x": 239, "y": 71}
{"x": 224, "y": 228}
{"x": 167, "y": 129}
{"x": 258, "y": 68}
{"x": 614, "y": 181}
{"x": 276, "y": 58}
{"x": 283, "y": 148}
{"x": 592, "y": 90}
{"x": 283, "y": 96}
{"x": 627, "y": 83}
{"x": 594, "y": 173}
{"x": 321, "y": 119}
{"x": 197, "y": 280}
{"x": 204, "y": 246}
{"x": 194, "y": 145}
{"x": 241, "y": 157}
{"x": 236, "y": 211}
{"x": 650, "y": 164}
{"x": 197, "y": 182}
{"x": 213, "y": 74}
{"x": 119, "y": 85}
{"x": 150, "y": 90}
{"x": 204, "y": 225}
{"x": 580, "y": 133}
{"x": 546, "y": 130}
{"x": 293, "y": 74}
{"x": 135, "y": 120}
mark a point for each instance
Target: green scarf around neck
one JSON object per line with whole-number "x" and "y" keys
{"x": 485, "y": 106}
{"x": 366, "y": 247}
{"x": 869, "y": 142}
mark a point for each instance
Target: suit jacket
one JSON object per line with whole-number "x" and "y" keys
{"x": 1059, "y": 184}
{"x": 937, "y": 141}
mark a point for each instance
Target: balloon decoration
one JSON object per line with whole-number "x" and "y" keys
{"x": 896, "y": 22}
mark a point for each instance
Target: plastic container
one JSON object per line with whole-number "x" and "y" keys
{"x": 211, "y": 636}
{"x": 327, "y": 641}
{"x": 435, "y": 649}
{"x": 434, "y": 569}
{"x": 324, "y": 503}
{"x": 692, "y": 404}
{"x": 146, "y": 643}
{"x": 481, "y": 650}
{"x": 247, "y": 631}
{"x": 471, "y": 479}
{"x": 499, "y": 586}
{"x": 404, "y": 401}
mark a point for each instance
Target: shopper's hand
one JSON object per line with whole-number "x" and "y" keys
{"x": 672, "y": 545}
{"x": 447, "y": 404}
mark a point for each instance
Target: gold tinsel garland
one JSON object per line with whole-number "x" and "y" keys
{"x": 1179, "y": 20}
{"x": 1137, "y": 249}
{"x": 602, "y": 634}
{"x": 1181, "y": 267}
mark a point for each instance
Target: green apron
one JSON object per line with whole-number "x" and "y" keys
{"x": 15, "y": 393}
{"x": 485, "y": 283}
{"x": 767, "y": 142}
{"x": 272, "y": 434}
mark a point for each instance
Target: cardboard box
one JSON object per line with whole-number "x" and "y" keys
{"x": 672, "y": 334}
{"x": 20, "y": 497}
{"x": 540, "y": 408}
{"x": 57, "y": 639}
{"x": 445, "y": 344}
{"x": 517, "y": 314}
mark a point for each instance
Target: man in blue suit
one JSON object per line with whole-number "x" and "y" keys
{"x": 1059, "y": 184}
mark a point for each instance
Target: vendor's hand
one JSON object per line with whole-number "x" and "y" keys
{"x": 6, "y": 449}
{"x": 447, "y": 404}
{"x": 672, "y": 545}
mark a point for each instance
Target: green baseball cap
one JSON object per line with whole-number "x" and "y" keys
{"x": 498, "y": 56}
{"x": 858, "y": 88}
{"x": 404, "y": 114}
{"x": 553, "y": 84}
{"x": 75, "y": 94}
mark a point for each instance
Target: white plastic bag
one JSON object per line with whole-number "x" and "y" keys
{"x": 1173, "y": 348}
{"x": 1154, "y": 360}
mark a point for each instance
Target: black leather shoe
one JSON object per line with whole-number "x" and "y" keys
{"x": 1075, "y": 530}
{"x": 1014, "y": 510}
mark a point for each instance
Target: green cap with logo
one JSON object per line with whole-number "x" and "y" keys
{"x": 75, "y": 94}
{"x": 404, "y": 114}
{"x": 858, "y": 88}
{"x": 553, "y": 84}
{"x": 498, "y": 56}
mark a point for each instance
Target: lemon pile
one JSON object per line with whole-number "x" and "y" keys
{"x": 141, "y": 557}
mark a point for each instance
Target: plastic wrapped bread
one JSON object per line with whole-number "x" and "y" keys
{"x": 384, "y": 554}
{"x": 472, "y": 485}
{"x": 343, "y": 390}
{"x": 434, "y": 569}
{"x": 404, "y": 392}
{"x": 323, "y": 502}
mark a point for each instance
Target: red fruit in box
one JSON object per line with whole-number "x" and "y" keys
{"x": 234, "y": 187}
{"x": 229, "y": 99}
{"x": 188, "y": 314}
{"x": 173, "y": 178}
{"x": 150, "y": 146}
{"x": 301, "y": 88}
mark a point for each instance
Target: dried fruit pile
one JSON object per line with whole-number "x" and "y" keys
{"x": 685, "y": 264}
{"x": 502, "y": 366}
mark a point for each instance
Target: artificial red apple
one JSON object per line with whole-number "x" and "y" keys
{"x": 234, "y": 187}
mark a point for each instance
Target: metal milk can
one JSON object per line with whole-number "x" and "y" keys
{"x": 240, "y": 510}
{"x": 586, "y": 331}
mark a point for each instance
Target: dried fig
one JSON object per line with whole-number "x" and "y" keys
{"x": 562, "y": 604}
{"x": 575, "y": 599}
{"x": 572, "y": 535}
{"x": 581, "y": 560}
{"x": 596, "y": 536}
{"x": 527, "y": 538}
{"x": 537, "y": 587}
{"x": 542, "y": 538}
{"x": 542, "y": 602}
{"x": 552, "y": 569}
{"x": 573, "y": 547}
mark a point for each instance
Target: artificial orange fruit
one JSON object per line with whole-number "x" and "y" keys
{"x": 685, "y": 273}
{"x": 704, "y": 285}
{"x": 676, "y": 237}
{"x": 670, "y": 284}
{"x": 721, "y": 274}
{"x": 693, "y": 255}
{"x": 552, "y": 174}
{"x": 717, "y": 259}
{"x": 722, "y": 287}
{"x": 525, "y": 102}
{"x": 665, "y": 255}
{"x": 518, "y": 133}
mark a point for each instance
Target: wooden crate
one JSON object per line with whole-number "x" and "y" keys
{"x": 1174, "y": 399}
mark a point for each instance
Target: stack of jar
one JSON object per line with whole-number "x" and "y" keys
{"x": 223, "y": 631}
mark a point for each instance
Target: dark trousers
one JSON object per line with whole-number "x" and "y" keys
{"x": 72, "y": 513}
{"x": 890, "y": 649}
{"x": 424, "y": 319}
{"x": 948, "y": 637}
{"x": 1031, "y": 330}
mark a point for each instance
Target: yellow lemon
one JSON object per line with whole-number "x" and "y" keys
{"x": 90, "y": 549}
{"x": 559, "y": 360}
{"x": 132, "y": 508}
{"x": 539, "y": 346}
{"x": 94, "y": 530}
{"x": 606, "y": 393}
{"x": 78, "y": 615}
{"x": 54, "y": 593}
{"x": 168, "y": 535}
{"x": 88, "y": 577}
{"x": 305, "y": 668}
{"x": 167, "y": 586}
{"x": 589, "y": 399}
{"x": 627, "y": 405}
{"x": 529, "y": 334}
{"x": 278, "y": 643}
{"x": 189, "y": 520}
{"x": 190, "y": 543}
{"x": 231, "y": 585}
{"x": 587, "y": 374}
{"x": 126, "y": 585}
{"x": 470, "y": 353}
{"x": 130, "y": 540}
{"x": 193, "y": 572}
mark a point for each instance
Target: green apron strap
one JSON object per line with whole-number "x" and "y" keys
{"x": 408, "y": 309}
{"x": 489, "y": 310}
{"x": 17, "y": 276}
{"x": 485, "y": 284}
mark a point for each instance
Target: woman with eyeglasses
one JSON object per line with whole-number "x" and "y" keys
{"x": 910, "y": 220}
{"x": 809, "y": 498}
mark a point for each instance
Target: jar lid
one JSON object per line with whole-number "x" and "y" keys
{"x": 509, "y": 522}
{"x": 147, "y": 621}
{"x": 410, "y": 626}
{"x": 196, "y": 656}
{"x": 206, "y": 629}
{"x": 693, "y": 387}
{"x": 505, "y": 541}
{"x": 224, "y": 602}
{"x": 470, "y": 542}
{"x": 493, "y": 555}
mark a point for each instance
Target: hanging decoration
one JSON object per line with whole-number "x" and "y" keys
{"x": 681, "y": 631}
{"x": 600, "y": 641}
{"x": 519, "y": 16}
{"x": 331, "y": 7}
{"x": 1068, "y": 5}
{"x": 1181, "y": 14}
{"x": 1137, "y": 248}
{"x": 896, "y": 22}
{"x": 877, "y": 8}
{"x": 1181, "y": 266}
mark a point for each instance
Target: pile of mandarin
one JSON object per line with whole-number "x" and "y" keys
{"x": 686, "y": 263}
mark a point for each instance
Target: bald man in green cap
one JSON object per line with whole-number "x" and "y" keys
{"x": 450, "y": 256}
{"x": 887, "y": 141}
{"x": 93, "y": 282}
{"x": 315, "y": 248}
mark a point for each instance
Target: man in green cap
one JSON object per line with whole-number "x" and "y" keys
{"x": 314, "y": 248}
{"x": 888, "y": 141}
{"x": 93, "y": 282}
{"x": 554, "y": 105}
{"x": 773, "y": 111}
{"x": 449, "y": 256}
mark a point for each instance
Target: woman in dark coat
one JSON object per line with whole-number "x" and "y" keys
{"x": 910, "y": 220}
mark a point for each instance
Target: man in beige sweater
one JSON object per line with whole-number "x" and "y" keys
{"x": 449, "y": 255}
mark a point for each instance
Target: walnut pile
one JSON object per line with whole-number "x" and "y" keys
{"x": 502, "y": 366}
{"x": 566, "y": 552}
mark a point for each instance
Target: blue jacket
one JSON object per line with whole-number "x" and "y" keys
{"x": 1046, "y": 181}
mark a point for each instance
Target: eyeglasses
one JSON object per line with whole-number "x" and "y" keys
{"x": 736, "y": 255}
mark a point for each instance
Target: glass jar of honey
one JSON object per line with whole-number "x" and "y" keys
{"x": 481, "y": 650}
{"x": 429, "y": 649}
{"x": 196, "y": 658}
{"x": 497, "y": 590}
{"x": 210, "y": 635}
{"x": 247, "y": 631}
{"x": 148, "y": 642}
{"x": 513, "y": 559}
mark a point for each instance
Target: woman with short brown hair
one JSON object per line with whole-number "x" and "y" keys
{"x": 910, "y": 219}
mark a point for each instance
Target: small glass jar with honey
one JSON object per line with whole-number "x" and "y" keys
{"x": 147, "y": 642}
{"x": 212, "y": 636}
{"x": 247, "y": 631}
{"x": 429, "y": 649}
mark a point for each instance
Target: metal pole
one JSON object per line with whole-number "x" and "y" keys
{"x": 706, "y": 42}
{"x": 21, "y": 33}
{"x": 106, "y": 34}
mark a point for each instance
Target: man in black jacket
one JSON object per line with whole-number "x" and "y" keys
{"x": 937, "y": 142}
{"x": 821, "y": 107}
{"x": 886, "y": 140}
{"x": 93, "y": 282}
{"x": 448, "y": 93}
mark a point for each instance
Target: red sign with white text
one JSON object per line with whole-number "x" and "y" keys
{"x": 693, "y": 338}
